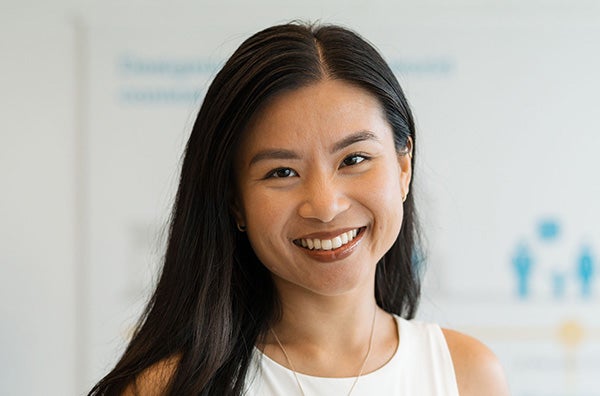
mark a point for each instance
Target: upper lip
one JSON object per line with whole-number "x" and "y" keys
{"x": 327, "y": 234}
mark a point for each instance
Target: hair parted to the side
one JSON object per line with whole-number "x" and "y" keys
{"x": 214, "y": 298}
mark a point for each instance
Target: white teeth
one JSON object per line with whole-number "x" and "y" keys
{"x": 336, "y": 242}
{"x": 317, "y": 243}
{"x": 344, "y": 238}
{"x": 329, "y": 244}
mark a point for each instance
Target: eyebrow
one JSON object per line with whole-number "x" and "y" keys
{"x": 353, "y": 138}
{"x": 273, "y": 154}
{"x": 349, "y": 140}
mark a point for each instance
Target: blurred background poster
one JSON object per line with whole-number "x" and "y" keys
{"x": 505, "y": 102}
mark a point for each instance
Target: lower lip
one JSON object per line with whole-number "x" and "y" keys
{"x": 335, "y": 254}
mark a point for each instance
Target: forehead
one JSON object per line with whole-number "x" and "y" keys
{"x": 320, "y": 112}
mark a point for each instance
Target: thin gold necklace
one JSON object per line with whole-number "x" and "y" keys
{"x": 289, "y": 361}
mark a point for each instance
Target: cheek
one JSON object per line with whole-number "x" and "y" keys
{"x": 385, "y": 200}
{"x": 263, "y": 208}
{"x": 266, "y": 214}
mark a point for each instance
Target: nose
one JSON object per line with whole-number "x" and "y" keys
{"x": 323, "y": 200}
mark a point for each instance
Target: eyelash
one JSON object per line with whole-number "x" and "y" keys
{"x": 274, "y": 174}
{"x": 363, "y": 157}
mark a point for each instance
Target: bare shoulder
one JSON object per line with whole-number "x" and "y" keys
{"x": 478, "y": 371}
{"x": 154, "y": 380}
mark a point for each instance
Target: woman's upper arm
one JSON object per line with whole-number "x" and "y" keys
{"x": 154, "y": 380}
{"x": 478, "y": 370}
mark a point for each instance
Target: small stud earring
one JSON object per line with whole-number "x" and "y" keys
{"x": 241, "y": 228}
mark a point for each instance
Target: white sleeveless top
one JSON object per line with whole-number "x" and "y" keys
{"x": 420, "y": 366}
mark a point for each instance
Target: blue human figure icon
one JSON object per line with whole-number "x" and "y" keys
{"x": 549, "y": 229}
{"x": 558, "y": 284}
{"x": 585, "y": 271}
{"x": 522, "y": 263}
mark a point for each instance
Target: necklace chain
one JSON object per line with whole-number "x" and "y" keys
{"x": 364, "y": 363}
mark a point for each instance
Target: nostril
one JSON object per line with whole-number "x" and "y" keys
{"x": 323, "y": 207}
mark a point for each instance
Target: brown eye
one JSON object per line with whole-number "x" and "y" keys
{"x": 353, "y": 159}
{"x": 282, "y": 173}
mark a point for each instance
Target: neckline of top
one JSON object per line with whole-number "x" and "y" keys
{"x": 387, "y": 365}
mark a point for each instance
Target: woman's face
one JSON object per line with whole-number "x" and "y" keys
{"x": 320, "y": 187}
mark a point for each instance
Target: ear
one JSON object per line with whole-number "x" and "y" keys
{"x": 237, "y": 212}
{"x": 405, "y": 164}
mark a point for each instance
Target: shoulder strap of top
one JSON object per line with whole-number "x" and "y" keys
{"x": 426, "y": 357}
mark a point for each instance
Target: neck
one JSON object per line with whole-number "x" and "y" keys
{"x": 329, "y": 336}
{"x": 325, "y": 322}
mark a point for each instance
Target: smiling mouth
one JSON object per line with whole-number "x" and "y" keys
{"x": 329, "y": 244}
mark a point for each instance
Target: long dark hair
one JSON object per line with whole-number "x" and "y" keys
{"x": 214, "y": 298}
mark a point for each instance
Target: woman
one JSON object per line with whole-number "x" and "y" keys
{"x": 290, "y": 263}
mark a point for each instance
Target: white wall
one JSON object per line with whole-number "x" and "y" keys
{"x": 37, "y": 205}
{"x": 504, "y": 96}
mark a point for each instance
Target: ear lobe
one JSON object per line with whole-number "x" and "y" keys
{"x": 237, "y": 213}
{"x": 405, "y": 164}
{"x": 405, "y": 175}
